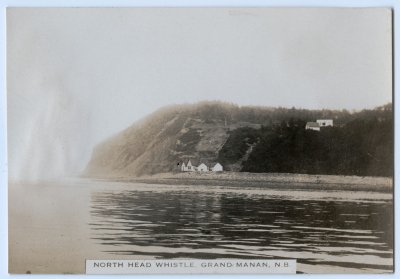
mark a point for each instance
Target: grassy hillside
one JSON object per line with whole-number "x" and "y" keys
{"x": 254, "y": 139}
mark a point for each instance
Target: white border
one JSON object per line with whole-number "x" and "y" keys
{"x": 394, "y": 4}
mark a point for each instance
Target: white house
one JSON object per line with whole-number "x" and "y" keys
{"x": 217, "y": 167}
{"x": 202, "y": 167}
{"x": 325, "y": 122}
{"x": 313, "y": 126}
{"x": 188, "y": 166}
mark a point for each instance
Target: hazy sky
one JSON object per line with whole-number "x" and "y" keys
{"x": 76, "y": 76}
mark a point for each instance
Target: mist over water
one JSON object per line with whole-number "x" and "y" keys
{"x": 49, "y": 141}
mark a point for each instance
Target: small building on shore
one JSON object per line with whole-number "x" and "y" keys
{"x": 202, "y": 168}
{"x": 190, "y": 166}
{"x": 217, "y": 167}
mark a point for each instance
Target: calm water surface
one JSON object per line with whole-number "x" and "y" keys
{"x": 342, "y": 231}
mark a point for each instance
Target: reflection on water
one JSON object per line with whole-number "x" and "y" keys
{"x": 188, "y": 222}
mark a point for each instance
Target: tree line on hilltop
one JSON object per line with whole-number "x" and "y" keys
{"x": 361, "y": 144}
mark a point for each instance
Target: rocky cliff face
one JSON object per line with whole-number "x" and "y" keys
{"x": 170, "y": 135}
{"x": 253, "y": 139}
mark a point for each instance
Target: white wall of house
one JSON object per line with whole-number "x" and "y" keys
{"x": 191, "y": 166}
{"x": 217, "y": 167}
{"x": 325, "y": 122}
{"x": 188, "y": 167}
{"x": 313, "y": 128}
{"x": 202, "y": 167}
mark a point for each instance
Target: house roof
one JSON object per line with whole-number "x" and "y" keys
{"x": 312, "y": 124}
{"x": 202, "y": 165}
{"x": 197, "y": 162}
{"x": 194, "y": 161}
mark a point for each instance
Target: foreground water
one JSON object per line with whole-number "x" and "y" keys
{"x": 326, "y": 231}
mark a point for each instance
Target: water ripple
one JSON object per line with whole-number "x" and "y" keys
{"x": 193, "y": 223}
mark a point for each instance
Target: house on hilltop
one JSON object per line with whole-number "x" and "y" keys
{"x": 316, "y": 126}
{"x": 313, "y": 126}
{"x": 325, "y": 122}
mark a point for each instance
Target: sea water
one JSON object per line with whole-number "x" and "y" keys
{"x": 55, "y": 226}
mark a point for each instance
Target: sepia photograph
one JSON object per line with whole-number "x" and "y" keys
{"x": 200, "y": 140}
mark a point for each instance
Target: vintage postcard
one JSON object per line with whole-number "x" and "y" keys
{"x": 200, "y": 140}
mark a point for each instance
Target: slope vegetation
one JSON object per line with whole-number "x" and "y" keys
{"x": 252, "y": 139}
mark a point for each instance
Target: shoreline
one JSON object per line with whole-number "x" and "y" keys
{"x": 285, "y": 181}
